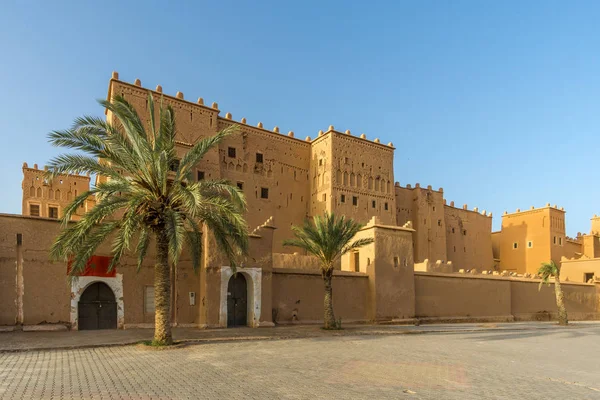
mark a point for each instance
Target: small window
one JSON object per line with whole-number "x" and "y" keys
{"x": 320, "y": 162}
{"x": 529, "y": 244}
{"x": 587, "y": 276}
{"x": 464, "y": 249}
{"x": 455, "y": 249}
{"x": 464, "y": 232}
{"x": 174, "y": 166}
{"x": 373, "y": 204}
{"x": 53, "y": 212}
{"x": 554, "y": 240}
{"x": 515, "y": 245}
{"x": 343, "y": 198}
{"x": 324, "y": 197}
{"x": 385, "y": 206}
{"x": 439, "y": 222}
{"x": 560, "y": 241}
{"x": 34, "y": 210}
{"x": 434, "y": 208}
{"x": 149, "y": 299}
{"x": 240, "y": 185}
{"x": 346, "y": 161}
{"x": 231, "y": 152}
{"x": 264, "y": 193}
{"x": 200, "y": 175}
{"x": 452, "y": 230}
{"x": 259, "y": 157}
{"x": 396, "y": 262}
{"x": 354, "y": 200}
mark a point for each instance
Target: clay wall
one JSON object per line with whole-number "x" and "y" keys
{"x": 576, "y": 270}
{"x": 320, "y": 174}
{"x": 530, "y": 238}
{"x": 468, "y": 238}
{"x": 436, "y": 295}
{"x": 303, "y": 291}
{"x": 56, "y": 193}
{"x": 425, "y": 208}
{"x": 590, "y": 248}
{"x": 272, "y": 170}
{"x": 499, "y": 298}
{"x": 364, "y": 170}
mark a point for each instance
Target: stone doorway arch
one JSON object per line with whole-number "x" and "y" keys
{"x": 253, "y": 278}
{"x": 80, "y": 284}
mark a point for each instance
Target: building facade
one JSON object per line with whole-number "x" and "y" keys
{"x": 415, "y": 267}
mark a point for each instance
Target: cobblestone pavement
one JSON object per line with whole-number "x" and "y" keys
{"x": 534, "y": 364}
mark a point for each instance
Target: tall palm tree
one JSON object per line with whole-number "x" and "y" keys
{"x": 328, "y": 238}
{"x": 546, "y": 271}
{"x": 149, "y": 194}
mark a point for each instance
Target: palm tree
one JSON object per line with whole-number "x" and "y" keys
{"x": 328, "y": 238}
{"x": 546, "y": 271}
{"x": 149, "y": 194}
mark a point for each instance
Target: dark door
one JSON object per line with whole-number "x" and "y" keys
{"x": 97, "y": 308}
{"x": 237, "y": 303}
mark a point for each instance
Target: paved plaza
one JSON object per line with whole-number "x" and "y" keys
{"x": 555, "y": 363}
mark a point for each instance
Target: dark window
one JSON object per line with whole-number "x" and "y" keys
{"x": 259, "y": 157}
{"x": 452, "y": 230}
{"x": 264, "y": 193}
{"x": 34, "y": 210}
{"x": 465, "y": 232}
{"x": 560, "y": 241}
{"x": 587, "y": 276}
{"x": 439, "y": 222}
{"x": 240, "y": 185}
{"x": 343, "y": 198}
{"x": 515, "y": 245}
{"x": 354, "y": 200}
{"x": 53, "y": 212}
{"x": 373, "y": 203}
{"x": 321, "y": 162}
{"x": 385, "y": 206}
{"x": 174, "y": 166}
{"x": 231, "y": 152}
{"x": 200, "y": 175}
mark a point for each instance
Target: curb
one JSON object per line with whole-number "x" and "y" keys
{"x": 217, "y": 340}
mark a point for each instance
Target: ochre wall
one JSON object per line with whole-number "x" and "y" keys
{"x": 469, "y": 239}
{"x": 303, "y": 290}
{"x": 436, "y": 296}
{"x": 575, "y": 270}
{"x": 454, "y": 295}
{"x": 362, "y": 169}
{"x": 58, "y": 192}
{"x": 581, "y": 300}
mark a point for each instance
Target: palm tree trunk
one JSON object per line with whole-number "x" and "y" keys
{"x": 328, "y": 301}
{"x": 560, "y": 303}
{"x": 162, "y": 291}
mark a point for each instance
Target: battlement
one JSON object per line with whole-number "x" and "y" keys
{"x": 532, "y": 210}
{"x": 179, "y": 97}
{"x": 359, "y": 139}
{"x": 465, "y": 207}
{"x": 39, "y": 172}
{"x": 418, "y": 186}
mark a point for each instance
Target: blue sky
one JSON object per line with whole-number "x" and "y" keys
{"x": 496, "y": 102}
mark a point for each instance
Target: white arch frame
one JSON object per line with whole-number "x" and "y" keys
{"x": 254, "y": 285}
{"x": 78, "y": 286}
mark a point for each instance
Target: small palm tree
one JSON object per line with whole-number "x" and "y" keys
{"x": 149, "y": 193}
{"x": 546, "y": 271}
{"x": 328, "y": 238}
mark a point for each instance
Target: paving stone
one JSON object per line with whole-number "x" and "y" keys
{"x": 534, "y": 364}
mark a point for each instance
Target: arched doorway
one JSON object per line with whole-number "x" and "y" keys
{"x": 237, "y": 301}
{"x": 97, "y": 308}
